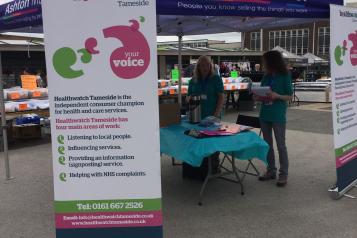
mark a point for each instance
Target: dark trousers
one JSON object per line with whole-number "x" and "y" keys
{"x": 279, "y": 133}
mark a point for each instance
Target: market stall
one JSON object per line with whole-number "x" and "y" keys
{"x": 292, "y": 59}
{"x": 181, "y": 18}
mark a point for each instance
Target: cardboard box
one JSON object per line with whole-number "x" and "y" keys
{"x": 29, "y": 131}
{"x": 170, "y": 114}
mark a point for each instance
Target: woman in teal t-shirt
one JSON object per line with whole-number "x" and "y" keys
{"x": 209, "y": 86}
{"x": 273, "y": 113}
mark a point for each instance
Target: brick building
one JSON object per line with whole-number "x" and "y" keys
{"x": 298, "y": 39}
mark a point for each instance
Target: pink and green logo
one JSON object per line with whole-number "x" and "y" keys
{"x": 340, "y": 50}
{"x": 129, "y": 61}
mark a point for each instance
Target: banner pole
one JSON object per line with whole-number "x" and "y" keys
{"x": 180, "y": 36}
{"x": 3, "y": 125}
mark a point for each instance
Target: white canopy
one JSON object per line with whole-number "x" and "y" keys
{"x": 290, "y": 57}
{"x": 313, "y": 59}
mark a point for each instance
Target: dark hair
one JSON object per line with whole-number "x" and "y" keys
{"x": 274, "y": 62}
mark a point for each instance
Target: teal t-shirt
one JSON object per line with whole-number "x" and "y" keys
{"x": 208, "y": 89}
{"x": 276, "y": 112}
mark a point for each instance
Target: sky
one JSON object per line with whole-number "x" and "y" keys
{"x": 228, "y": 37}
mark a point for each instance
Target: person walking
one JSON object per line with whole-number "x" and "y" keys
{"x": 273, "y": 114}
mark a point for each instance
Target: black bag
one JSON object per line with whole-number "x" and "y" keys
{"x": 200, "y": 173}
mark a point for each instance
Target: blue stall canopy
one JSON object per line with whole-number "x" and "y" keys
{"x": 197, "y": 25}
{"x": 251, "y": 8}
{"x": 193, "y": 17}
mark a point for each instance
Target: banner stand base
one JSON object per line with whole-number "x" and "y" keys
{"x": 336, "y": 195}
{"x": 349, "y": 196}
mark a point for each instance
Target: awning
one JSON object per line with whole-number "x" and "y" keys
{"x": 290, "y": 57}
{"x": 251, "y": 8}
{"x": 192, "y": 17}
{"x": 313, "y": 59}
{"x": 196, "y": 25}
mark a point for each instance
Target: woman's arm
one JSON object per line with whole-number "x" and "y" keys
{"x": 288, "y": 91}
{"x": 219, "y": 106}
{"x": 257, "y": 98}
{"x": 274, "y": 96}
{"x": 189, "y": 91}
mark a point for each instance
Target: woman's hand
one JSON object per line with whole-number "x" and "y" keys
{"x": 274, "y": 96}
{"x": 256, "y": 98}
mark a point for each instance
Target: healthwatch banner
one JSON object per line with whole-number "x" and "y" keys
{"x": 344, "y": 94}
{"x": 259, "y": 8}
{"x": 104, "y": 118}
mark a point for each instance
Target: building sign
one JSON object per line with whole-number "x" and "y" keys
{"x": 20, "y": 13}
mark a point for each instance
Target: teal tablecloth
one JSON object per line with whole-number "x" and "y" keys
{"x": 244, "y": 146}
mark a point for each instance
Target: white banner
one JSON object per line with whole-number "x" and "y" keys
{"x": 344, "y": 92}
{"x": 102, "y": 71}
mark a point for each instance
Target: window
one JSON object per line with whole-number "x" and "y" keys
{"x": 324, "y": 41}
{"x": 271, "y": 39}
{"x": 283, "y": 39}
{"x": 296, "y": 41}
{"x": 255, "y": 41}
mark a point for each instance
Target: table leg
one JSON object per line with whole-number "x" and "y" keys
{"x": 221, "y": 176}
{"x": 209, "y": 162}
{"x": 235, "y": 102}
{"x": 174, "y": 162}
{"x": 240, "y": 182}
{"x": 228, "y": 95}
{"x": 232, "y": 99}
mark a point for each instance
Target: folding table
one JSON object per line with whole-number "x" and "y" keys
{"x": 243, "y": 146}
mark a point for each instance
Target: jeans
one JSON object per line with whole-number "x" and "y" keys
{"x": 279, "y": 133}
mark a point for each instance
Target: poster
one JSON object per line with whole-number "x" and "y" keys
{"x": 175, "y": 74}
{"x": 104, "y": 118}
{"x": 268, "y": 8}
{"x": 234, "y": 74}
{"x": 29, "y": 82}
{"x": 344, "y": 93}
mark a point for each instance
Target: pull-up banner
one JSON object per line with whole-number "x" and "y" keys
{"x": 251, "y": 8}
{"x": 102, "y": 70}
{"x": 344, "y": 93}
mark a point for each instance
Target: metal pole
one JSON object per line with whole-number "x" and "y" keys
{"x": 261, "y": 39}
{"x": 313, "y": 38}
{"x": 242, "y": 39}
{"x": 180, "y": 68}
{"x": 4, "y": 125}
